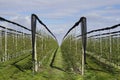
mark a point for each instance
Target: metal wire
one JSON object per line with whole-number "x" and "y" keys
{"x": 10, "y": 40}
{"x": 108, "y": 45}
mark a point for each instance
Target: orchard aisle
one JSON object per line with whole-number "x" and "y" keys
{"x": 53, "y": 69}
{"x": 56, "y": 71}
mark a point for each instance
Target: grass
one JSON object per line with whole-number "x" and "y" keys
{"x": 12, "y": 69}
{"x": 96, "y": 70}
{"x": 72, "y": 54}
{"x": 20, "y": 69}
{"x": 106, "y": 48}
{"x": 54, "y": 69}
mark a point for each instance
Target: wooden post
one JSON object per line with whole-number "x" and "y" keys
{"x": 6, "y": 55}
{"x": 84, "y": 39}
{"x": 23, "y": 34}
{"x": 34, "y": 54}
{"x": 1, "y": 44}
{"x": 16, "y": 49}
{"x": 110, "y": 42}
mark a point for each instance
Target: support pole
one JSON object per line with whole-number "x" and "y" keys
{"x": 16, "y": 45}
{"x": 6, "y": 54}
{"x": 34, "y": 54}
{"x": 110, "y": 42}
{"x": 1, "y": 45}
{"x": 84, "y": 39}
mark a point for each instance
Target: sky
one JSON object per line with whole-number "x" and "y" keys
{"x": 60, "y": 15}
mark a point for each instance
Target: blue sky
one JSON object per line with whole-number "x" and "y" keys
{"x": 60, "y": 15}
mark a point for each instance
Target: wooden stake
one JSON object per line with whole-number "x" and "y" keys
{"x": 34, "y": 54}
{"x": 84, "y": 39}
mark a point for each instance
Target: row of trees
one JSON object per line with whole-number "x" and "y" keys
{"x": 72, "y": 53}
{"x": 45, "y": 47}
{"x": 13, "y": 44}
{"x": 106, "y": 47}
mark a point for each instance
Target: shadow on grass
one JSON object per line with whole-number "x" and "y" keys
{"x": 102, "y": 66}
{"x": 22, "y": 67}
{"x": 52, "y": 61}
{"x": 19, "y": 67}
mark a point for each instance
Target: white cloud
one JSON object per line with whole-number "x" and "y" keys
{"x": 56, "y": 7}
{"x": 63, "y": 13}
{"x": 22, "y": 20}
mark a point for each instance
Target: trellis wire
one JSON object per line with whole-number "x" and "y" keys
{"x": 11, "y": 43}
{"x": 13, "y": 47}
{"x": 111, "y": 60}
{"x": 40, "y": 45}
{"x": 73, "y": 40}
